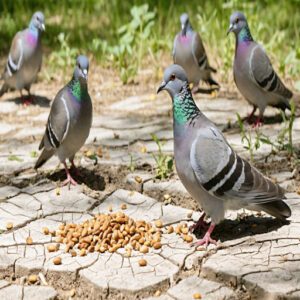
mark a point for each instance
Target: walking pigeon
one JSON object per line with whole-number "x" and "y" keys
{"x": 209, "y": 168}
{"x": 189, "y": 52}
{"x": 25, "y": 57}
{"x": 70, "y": 120}
{"x": 253, "y": 72}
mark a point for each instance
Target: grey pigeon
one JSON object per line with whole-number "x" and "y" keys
{"x": 209, "y": 168}
{"x": 25, "y": 57}
{"x": 253, "y": 72}
{"x": 70, "y": 120}
{"x": 189, "y": 52}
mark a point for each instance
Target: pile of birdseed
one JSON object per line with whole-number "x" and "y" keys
{"x": 109, "y": 232}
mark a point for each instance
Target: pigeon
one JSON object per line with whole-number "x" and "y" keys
{"x": 215, "y": 176}
{"x": 253, "y": 72}
{"x": 189, "y": 52}
{"x": 25, "y": 57}
{"x": 69, "y": 121}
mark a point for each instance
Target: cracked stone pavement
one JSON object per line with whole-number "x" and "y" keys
{"x": 257, "y": 257}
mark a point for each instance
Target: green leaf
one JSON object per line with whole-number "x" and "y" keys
{"x": 15, "y": 158}
{"x": 33, "y": 154}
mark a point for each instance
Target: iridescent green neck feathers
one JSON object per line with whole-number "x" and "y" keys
{"x": 184, "y": 107}
{"x": 245, "y": 35}
{"x": 78, "y": 90}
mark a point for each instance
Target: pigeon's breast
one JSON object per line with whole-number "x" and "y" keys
{"x": 184, "y": 57}
{"x": 243, "y": 77}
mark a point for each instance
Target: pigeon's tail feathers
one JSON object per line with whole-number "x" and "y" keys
{"x": 3, "y": 90}
{"x": 210, "y": 81}
{"x": 41, "y": 146}
{"x": 45, "y": 155}
{"x": 279, "y": 209}
{"x": 283, "y": 105}
{"x": 212, "y": 69}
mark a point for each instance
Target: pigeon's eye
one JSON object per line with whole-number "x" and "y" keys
{"x": 237, "y": 20}
{"x": 172, "y": 77}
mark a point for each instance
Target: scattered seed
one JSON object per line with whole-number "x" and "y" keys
{"x": 138, "y": 179}
{"x": 46, "y": 230}
{"x": 110, "y": 208}
{"x": 57, "y": 191}
{"x": 142, "y": 262}
{"x": 157, "y": 293}
{"x": 57, "y": 260}
{"x": 144, "y": 249}
{"x": 32, "y": 278}
{"x": 29, "y": 240}
{"x": 170, "y": 229}
{"x": 184, "y": 230}
{"x": 157, "y": 245}
{"x": 158, "y": 223}
{"x": 123, "y": 206}
{"x": 52, "y": 248}
{"x": 167, "y": 196}
{"x": 189, "y": 215}
{"x": 73, "y": 253}
{"x": 82, "y": 252}
{"x": 72, "y": 292}
{"x": 188, "y": 238}
{"x": 143, "y": 149}
{"x": 9, "y": 226}
{"x": 197, "y": 296}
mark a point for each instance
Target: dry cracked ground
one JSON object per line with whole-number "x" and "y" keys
{"x": 257, "y": 257}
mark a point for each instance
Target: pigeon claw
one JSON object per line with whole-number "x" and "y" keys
{"x": 206, "y": 240}
{"x": 27, "y": 100}
{"x": 258, "y": 122}
{"x": 69, "y": 181}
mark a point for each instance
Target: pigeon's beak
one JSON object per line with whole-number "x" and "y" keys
{"x": 230, "y": 29}
{"x": 161, "y": 87}
{"x": 85, "y": 73}
{"x": 43, "y": 27}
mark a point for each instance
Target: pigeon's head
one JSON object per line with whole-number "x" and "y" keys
{"x": 81, "y": 68}
{"x": 238, "y": 21}
{"x": 38, "y": 21}
{"x": 174, "y": 80}
{"x": 185, "y": 23}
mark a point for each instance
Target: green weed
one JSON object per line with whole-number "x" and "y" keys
{"x": 254, "y": 137}
{"x": 64, "y": 57}
{"x": 164, "y": 163}
{"x": 13, "y": 157}
{"x": 127, "y": 55}
{"x": 252, "y": 143}
{"x": 132, "y": 164}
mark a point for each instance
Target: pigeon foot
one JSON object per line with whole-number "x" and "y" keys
{"x": 206, "y": 240}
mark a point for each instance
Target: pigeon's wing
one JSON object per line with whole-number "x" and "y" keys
{"x": 58, "y": 124}
{"x": 227, "y": 176}
{"x": 15, "y": 56}
{"x": 199, "y": 53}
{"x": 263, "y": 74}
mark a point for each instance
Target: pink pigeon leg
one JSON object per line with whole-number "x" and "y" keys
{"x": 74, "y": 167}
{"x": 201, "y": 223}
{"x": 258, "y": 122}
{"x": 249, "y": 118}
{"x": 69, "y": 179}
{"x": 26, "y": 100}
{"x": 206, "y": 240}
